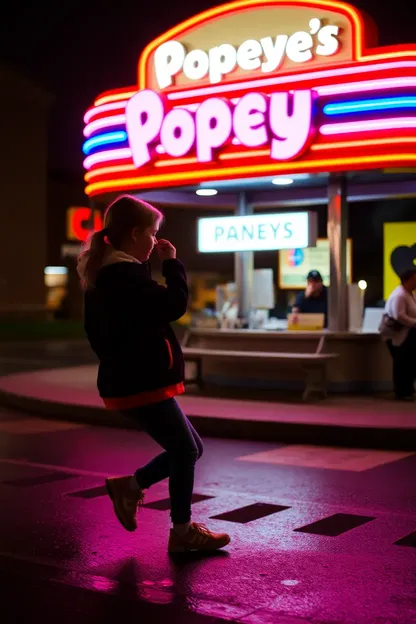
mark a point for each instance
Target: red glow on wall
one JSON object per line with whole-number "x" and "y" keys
{"x": 79, "y": 223}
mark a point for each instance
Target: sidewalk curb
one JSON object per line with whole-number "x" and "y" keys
{"x": 211, "y": 426}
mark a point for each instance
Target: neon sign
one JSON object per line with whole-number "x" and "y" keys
{"x": 78, "y": 223}
{"x": 254, "y": 121}
{"x": 211, "y": 104}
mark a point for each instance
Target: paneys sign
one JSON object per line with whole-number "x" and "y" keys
{"x": 260, "y": 232}
{"x": 255, "y": 88}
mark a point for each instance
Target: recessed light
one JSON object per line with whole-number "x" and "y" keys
{"x": 282, "y": 181}
{"x": 55, "y": 270}
{"x": 206, "y": 192}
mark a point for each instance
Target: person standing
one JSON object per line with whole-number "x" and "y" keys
{"x": 399, "y": 330}
{"x": 141, "y": 371}
{"x": 314, "y": 300}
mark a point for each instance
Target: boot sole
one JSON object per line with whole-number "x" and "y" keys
{"x": 129, "y": 528}
{"x": 184, "y": 549}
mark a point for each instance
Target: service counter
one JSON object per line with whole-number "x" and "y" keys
{"x": 363, "y": 365}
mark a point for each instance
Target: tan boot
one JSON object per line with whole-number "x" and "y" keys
{"x": 125, "y": 501}
{"x": 198, "y": 538}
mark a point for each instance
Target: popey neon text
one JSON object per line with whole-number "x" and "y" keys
{"x": 283, "y": 120}
{"x": 268, "y": 54}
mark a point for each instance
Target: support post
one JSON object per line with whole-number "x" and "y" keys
{"x": 243, "y": 265}
{"x": 337, "y": 237}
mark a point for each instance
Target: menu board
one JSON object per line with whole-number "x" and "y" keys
{"x": 295, "y": 264}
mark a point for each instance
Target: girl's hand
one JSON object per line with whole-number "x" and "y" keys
{"x": 165, "y": 249}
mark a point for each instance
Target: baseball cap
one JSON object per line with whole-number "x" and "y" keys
{"x": 315, "y": 276}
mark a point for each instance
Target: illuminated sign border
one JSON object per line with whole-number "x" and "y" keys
{"x": 340, "y": 143}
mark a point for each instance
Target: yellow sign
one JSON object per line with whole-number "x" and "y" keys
{"x": 305, "y": 322}
{"x": 399, "y": 252}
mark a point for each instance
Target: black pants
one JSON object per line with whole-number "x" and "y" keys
{"x": 404, "y": 366}
{"x": 169, "y": 427}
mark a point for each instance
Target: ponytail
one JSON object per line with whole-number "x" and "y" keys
{"x": 91, "y": 259}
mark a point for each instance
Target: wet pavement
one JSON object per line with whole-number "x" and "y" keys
{"x": 58, "y": 380}
{"x": 319, "y": 535}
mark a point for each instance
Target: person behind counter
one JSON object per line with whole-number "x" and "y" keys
{"x": 314, "y": 300}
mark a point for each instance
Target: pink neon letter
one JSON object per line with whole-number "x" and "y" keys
{"x": 291, "y": 130}
{"x": 249, "y": 123}
{"x": 144, "y": 116}
{"x": 213, "y": 127}
{"x": 178, "y": 132}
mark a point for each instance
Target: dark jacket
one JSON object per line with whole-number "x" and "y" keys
{"x": 127, "y": 321}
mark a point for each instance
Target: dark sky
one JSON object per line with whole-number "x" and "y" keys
{"x": 76, "y": 51}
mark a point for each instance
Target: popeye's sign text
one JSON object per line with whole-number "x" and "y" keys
{"x": 267, "y": 54}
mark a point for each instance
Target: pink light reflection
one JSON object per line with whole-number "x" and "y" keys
{"x": 105, "y": 108}
{"x": 105, "y": 122}
{"x": 367, "y": 85}
{"x": 108, "y": 155}
{"x": 368, "y": 125}
{"x": 255, "y": 84}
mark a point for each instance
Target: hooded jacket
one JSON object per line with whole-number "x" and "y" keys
{"x": 127, "y": 318}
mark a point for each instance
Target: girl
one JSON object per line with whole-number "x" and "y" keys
{"x": 127, "y": 321}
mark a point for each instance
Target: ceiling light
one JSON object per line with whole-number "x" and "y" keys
{"x": 206, "y": 192}
{"x": 55, "y": 270}
{"x": 282, "y": 181}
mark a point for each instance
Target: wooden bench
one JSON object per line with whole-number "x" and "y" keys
{"x": 314, "y": 365}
